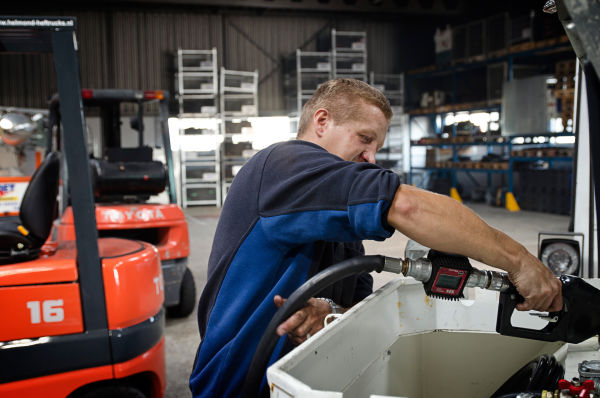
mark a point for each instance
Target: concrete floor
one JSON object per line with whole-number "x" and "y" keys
{"x": 182, "y": 337}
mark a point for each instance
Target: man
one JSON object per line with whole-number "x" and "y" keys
{"x": 300, "y": 206}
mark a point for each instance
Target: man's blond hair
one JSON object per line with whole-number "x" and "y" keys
{"x": 343, "y": 99}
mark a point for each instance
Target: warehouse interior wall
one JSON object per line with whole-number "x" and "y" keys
{"x": 134, "y": 47}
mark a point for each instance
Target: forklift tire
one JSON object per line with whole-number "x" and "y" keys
{"x": 187, "y": 297}
{"x": 114, "y": 391}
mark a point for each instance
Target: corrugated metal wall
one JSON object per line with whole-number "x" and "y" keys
{"x": 135, "y": 49}
{"x": 260, "y": 43}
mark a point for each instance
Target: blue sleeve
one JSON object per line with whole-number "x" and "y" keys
{"x": 308, "y": 194}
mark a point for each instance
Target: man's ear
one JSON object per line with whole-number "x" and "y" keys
{"x": 321, "y": 119}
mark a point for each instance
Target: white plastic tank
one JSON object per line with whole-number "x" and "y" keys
{"x": 401, "y": 343}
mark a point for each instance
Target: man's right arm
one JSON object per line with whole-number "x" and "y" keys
{"x": 442, "y": 223}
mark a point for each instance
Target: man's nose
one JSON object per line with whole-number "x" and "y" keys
{"x": 369, "y": 156}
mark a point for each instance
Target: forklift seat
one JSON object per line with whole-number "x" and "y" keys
{"x": 22, "y": 237}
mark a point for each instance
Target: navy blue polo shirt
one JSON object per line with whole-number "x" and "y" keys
{"x": 292, "y": 210}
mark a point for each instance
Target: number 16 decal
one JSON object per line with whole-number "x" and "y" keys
{"x": 51, "y": 311}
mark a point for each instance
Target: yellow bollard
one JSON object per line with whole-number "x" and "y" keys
{"x": 511, "y": 202}
{"x": 454, "y": 195}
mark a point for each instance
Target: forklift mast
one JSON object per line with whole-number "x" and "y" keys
{"x": 57, "y": 35}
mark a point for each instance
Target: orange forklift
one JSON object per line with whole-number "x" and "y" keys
{"x": 81, "y": 318}
{"x": 126, "y": 181}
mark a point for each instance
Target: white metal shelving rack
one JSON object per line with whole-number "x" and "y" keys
{"x": 197, "y": 86}
{"x": 239, "y": 101}
{"x": 391, "y": 154}
{"x": 392, "y": 86}
{"x": 312, "y": 69}
{"x": 239, "y": 93}
{"x": 236, "y": 149}
{"x": 201, "y": 162}
{"x": 349, "y": 54}
{"x": 197, "y": 83}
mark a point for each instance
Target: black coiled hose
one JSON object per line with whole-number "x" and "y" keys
{"x": 543, "y": 373}
{"x": 296, "y": 301}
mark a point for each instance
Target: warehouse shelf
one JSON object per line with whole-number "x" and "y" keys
{"x": 349, "y": 54}
{"x": 303, "y": 74}
{"x": 490, "y": 170}
{"x": 554, "y": 50}
{"x": 527, "y": 139}
{"x": 200, "y": 162}
{"x": 544, "y": 158}
{"x": 196, "y": 82}
{"x": 559, "y": 44}
{"x": 509, "y": 155}
{"x": 392, "y": 86}
{"x": 482, "y": 106}
{"x": 200, "y": 194}
{"x": 235, "y": 150}
{"x": 391, "y": 154}
{"x": 239, "y": 93}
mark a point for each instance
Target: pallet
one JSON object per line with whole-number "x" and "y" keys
{"x": 461, "y": 139}
{"x": 430, "y": 140}
{"x": 424, "y": 69}
{"x": 498, "y": 53}
{"x": 499, "y": 165}
{"x": 566, "y": 152}
{"x": 476, "y": 58}
{"x": 517, "y": 48}
{"x": 565, "y": 93}
{"x": 565, "y": 67}
{"x": 547, "y": 43}
{"x": 543, "y": 152}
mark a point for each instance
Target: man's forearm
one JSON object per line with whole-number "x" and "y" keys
{"x": 442, "y": 223}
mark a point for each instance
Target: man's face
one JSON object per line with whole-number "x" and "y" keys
{"x": 356, "y": 140}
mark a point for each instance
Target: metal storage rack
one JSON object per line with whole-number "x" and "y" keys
{"x": 349, "y": 54}
{"x": 392, "y": 152}
{"x": 312, "y": 69}
{"x": 239, "y": 101}
{"x": 537, "y": 151}
{"x": 197, "y": 82}
{"x": 239, "y": 93}
{"x": 236, "y": 149}
{"x": 201, "y": 164}
{"x": 392, "y": 86}
{"x": 503, "y": 68}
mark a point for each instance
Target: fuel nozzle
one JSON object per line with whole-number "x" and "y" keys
{"x": 577, "y": 321}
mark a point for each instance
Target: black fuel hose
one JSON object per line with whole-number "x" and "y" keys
{"x": 296, "y": 301}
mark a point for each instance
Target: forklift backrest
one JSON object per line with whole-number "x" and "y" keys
{"x": 37, "y": 209}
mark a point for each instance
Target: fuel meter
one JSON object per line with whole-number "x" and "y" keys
{"x": 449, "y": 274}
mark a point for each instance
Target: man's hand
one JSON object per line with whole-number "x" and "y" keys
{"x": 538, "y": 285}
{"x": 305, "y": 322}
